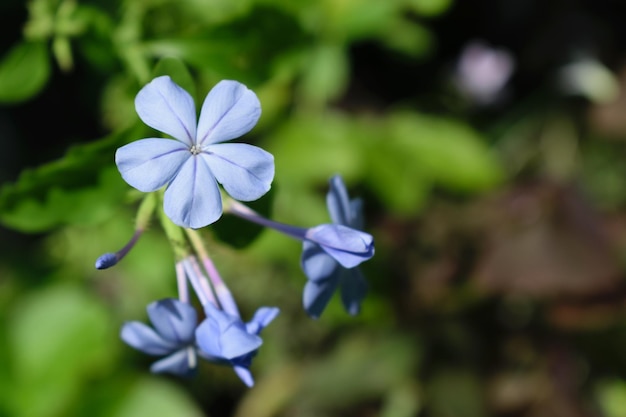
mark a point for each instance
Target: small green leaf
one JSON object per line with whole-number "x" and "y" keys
{"x": 24, "y": 71}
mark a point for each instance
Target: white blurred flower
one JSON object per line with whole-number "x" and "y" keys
{"x": 482, "y": 72}
{"x": 589, "y": 78}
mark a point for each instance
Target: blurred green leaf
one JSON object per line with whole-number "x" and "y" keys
{"x": 58, "y": 337}
{"x": 310, "y": 149}
{"x": 430, "y": 7}
{"x": 410, "y": 38}
{"x": 151, "y": 397}
{"x": 612, "y": 397}
{"x": 451, "y": 153}
{"x": 400, "y": 182}
{"x": 80, "y": 188}
{"x": 24, "y": 71}
{"x": 357, "y": 19}
{"x": 325, "y": 74}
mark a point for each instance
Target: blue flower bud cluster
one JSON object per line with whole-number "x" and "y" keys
{"x": 189, "y": 168}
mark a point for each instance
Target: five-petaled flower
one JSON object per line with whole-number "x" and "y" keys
{"x": 173, "y": 336}
{"x": 325, "y": 270}
{"x": 192, "y": 164}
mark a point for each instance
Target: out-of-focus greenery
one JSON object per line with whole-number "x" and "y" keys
{"x": 497, "y": 288}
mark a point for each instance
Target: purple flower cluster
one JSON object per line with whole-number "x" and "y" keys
{"x": 187, "y": 169}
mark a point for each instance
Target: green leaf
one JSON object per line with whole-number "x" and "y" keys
{"x": 325, "y": 74}
{"x": 24, "y": 71}
{"x": 83, "y": 187}
{"x": 449, "y": 152}
{"x": 430, "y": 7}
{"x": 310, "y": 149}
{"x": 58, "y": 339}
{"x": 612, "y": 396}
{"x": 154, "y": 397}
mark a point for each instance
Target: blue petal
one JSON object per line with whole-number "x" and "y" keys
{"x": 347, "y": 246}
{"x": 225, "y": 336}
{"x": 316, "y": 296}
{"x": 262, "y": 318}
{"x": 356, "y": 208}
{"x": 173, "y": 320}
{"x": 229, "y": 111}
{"x": 143, "y": 338}
{"x": 245, "y": 171}
{"x": 149, "y": 164}
{"x": 338, "y": 202}
{"x": 353, "y": 290}
{"x": 166, "y": 107}
{"x": 182, "y": 362}
{"x": 245, "y": 375}
{"x": 316, "y": 263}
{"x": 193, "y": 198}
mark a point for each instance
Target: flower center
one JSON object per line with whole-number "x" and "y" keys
{"x": 195, "y": 149}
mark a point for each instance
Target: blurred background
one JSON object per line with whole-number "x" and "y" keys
{"x": 486, "y": 137}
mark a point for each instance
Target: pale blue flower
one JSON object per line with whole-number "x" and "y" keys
{"x": 324, "y": 267}
{"x": 225, "y": 339}
{"x": 192, "y": 164}
{"x": 172, "y": 336}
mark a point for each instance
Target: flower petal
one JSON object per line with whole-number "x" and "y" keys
{"x": 262, "y": 318}
{"x": 225, "y": 336}
{"x": 182, "y": 362}
{"x": 316, "y": 296}
{"x": 353, "y": 290}
{"x": 229, "y": 111}
{"x": 347, "y": 246}
{"x": 356, "y": 208}
{"x": 143, "y": 338}
{"x": 193, "y": 198}
{"x": 338, "y": 202}
{"x": 166, "y": 107}
{"x": 173, "y": 320}
{"x": 316, "y": 263}
{"x": 245, "y": 171}
{"x": 245, "y": 375}
{"x": 149, "y": 164}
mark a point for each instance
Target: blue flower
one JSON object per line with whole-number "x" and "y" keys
{"x": 329, "y": 265}
{"x": 223, "y": 338}
{"x": 192, "y": 164}
{"x": 173, "y": 336}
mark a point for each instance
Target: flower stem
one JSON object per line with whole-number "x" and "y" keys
{"x": 241, "y": 210}
{"x": 222, "y": 292}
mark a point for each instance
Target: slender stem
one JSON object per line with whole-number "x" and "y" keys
{"x": 122, "y": 252}
{"x": 222, "y": 292}
{"x": 204, "y": 296}
{"x": 246, "y": 213}
{"x": 183, "y": 289}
